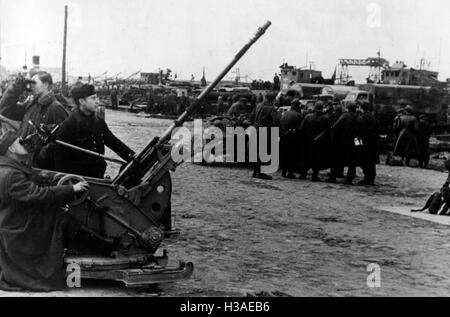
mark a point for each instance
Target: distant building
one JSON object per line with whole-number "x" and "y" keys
{"x": 292, "y": 74}
{"x": 150, "y": 78}
{"x": 400, "y": 74}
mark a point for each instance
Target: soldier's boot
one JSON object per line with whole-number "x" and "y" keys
{"x": 407, "y": 162}
{"x": 264, "y": 176}
{"x": 283, "y": 173}
{"x": 351, "y": 174}
{"x": 366, "y": 182}
{"x": 340, "y": 174}
{"x": 315, "y": 177}
{"x": 256, "y": 171}
{"x": 291, "y": 175}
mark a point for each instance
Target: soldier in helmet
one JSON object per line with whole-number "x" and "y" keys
{"x": 344, "y": 134}
{"x": 315, "y": 142}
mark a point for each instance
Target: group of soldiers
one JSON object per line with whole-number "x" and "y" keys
{"x": 329, "y": 137}
{"x": 325, "y": 137}
{"x": 81, "y": 127}
{"x": 336, "y": 136}
{"x": 319, "y": 138}
{"x": 34, "y": 230}
{"x": 167, "y": 103}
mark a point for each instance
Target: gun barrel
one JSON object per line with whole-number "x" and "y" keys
{"x": 146, "y": 160}
{"x": 77, "y": 148}
{"x": 180, "y": 121}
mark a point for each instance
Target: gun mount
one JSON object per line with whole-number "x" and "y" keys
{"x": 134, "y": 208}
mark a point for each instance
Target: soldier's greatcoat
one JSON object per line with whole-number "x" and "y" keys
{"x": 91, "y": 133}
{"x": 32, "y": 228}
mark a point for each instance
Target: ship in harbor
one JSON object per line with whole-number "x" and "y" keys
{"x": 388, "y": 88}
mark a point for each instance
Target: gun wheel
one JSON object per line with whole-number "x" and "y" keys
{"x": 72, "y": 180}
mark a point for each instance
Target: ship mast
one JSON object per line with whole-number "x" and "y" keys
{"x": 63, "y": 77}
{"x": 1, "y": 79}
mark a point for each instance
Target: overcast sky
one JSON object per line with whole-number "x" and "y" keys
{"x": 185, "y": 35}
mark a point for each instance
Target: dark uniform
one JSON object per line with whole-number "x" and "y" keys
{"x": 314, "y": 133}
{"x": 114, "y": 99}
{"x": 276, "y": 82}
{"x": 32, "y": 230}
{"x": 369, "y": 156}
{"x": 90, "y": 133}
{"x": 336, "y": 114}
{"x": 407, "y": 145}
{"x": 343, "y": 134}
{"x": 290, "y": 124}
{"x": 423, "y": 139}
{"x": 334, "y": 117}
{"x": 264, "y": 116}
{"x": 150, "y": 103}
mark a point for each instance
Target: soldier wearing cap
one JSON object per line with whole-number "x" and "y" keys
{"x": 40, "y": 108}
{"x": 32, "y": 226}
{"x": 86, "y": 130}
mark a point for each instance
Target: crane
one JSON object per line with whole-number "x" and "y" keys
{"x": 375, "y": 64}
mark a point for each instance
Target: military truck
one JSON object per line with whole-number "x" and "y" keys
{"x": 386, "y": 100}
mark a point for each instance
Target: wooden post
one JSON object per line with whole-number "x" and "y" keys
{"x": 64, "y": 82}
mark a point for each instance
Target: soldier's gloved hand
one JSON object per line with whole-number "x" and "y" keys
{"x": 81, "y": 187}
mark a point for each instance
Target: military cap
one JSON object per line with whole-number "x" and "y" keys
{"x": 83, "y": 91}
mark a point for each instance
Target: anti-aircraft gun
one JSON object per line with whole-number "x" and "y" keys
{"x": 134, "y": 208}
